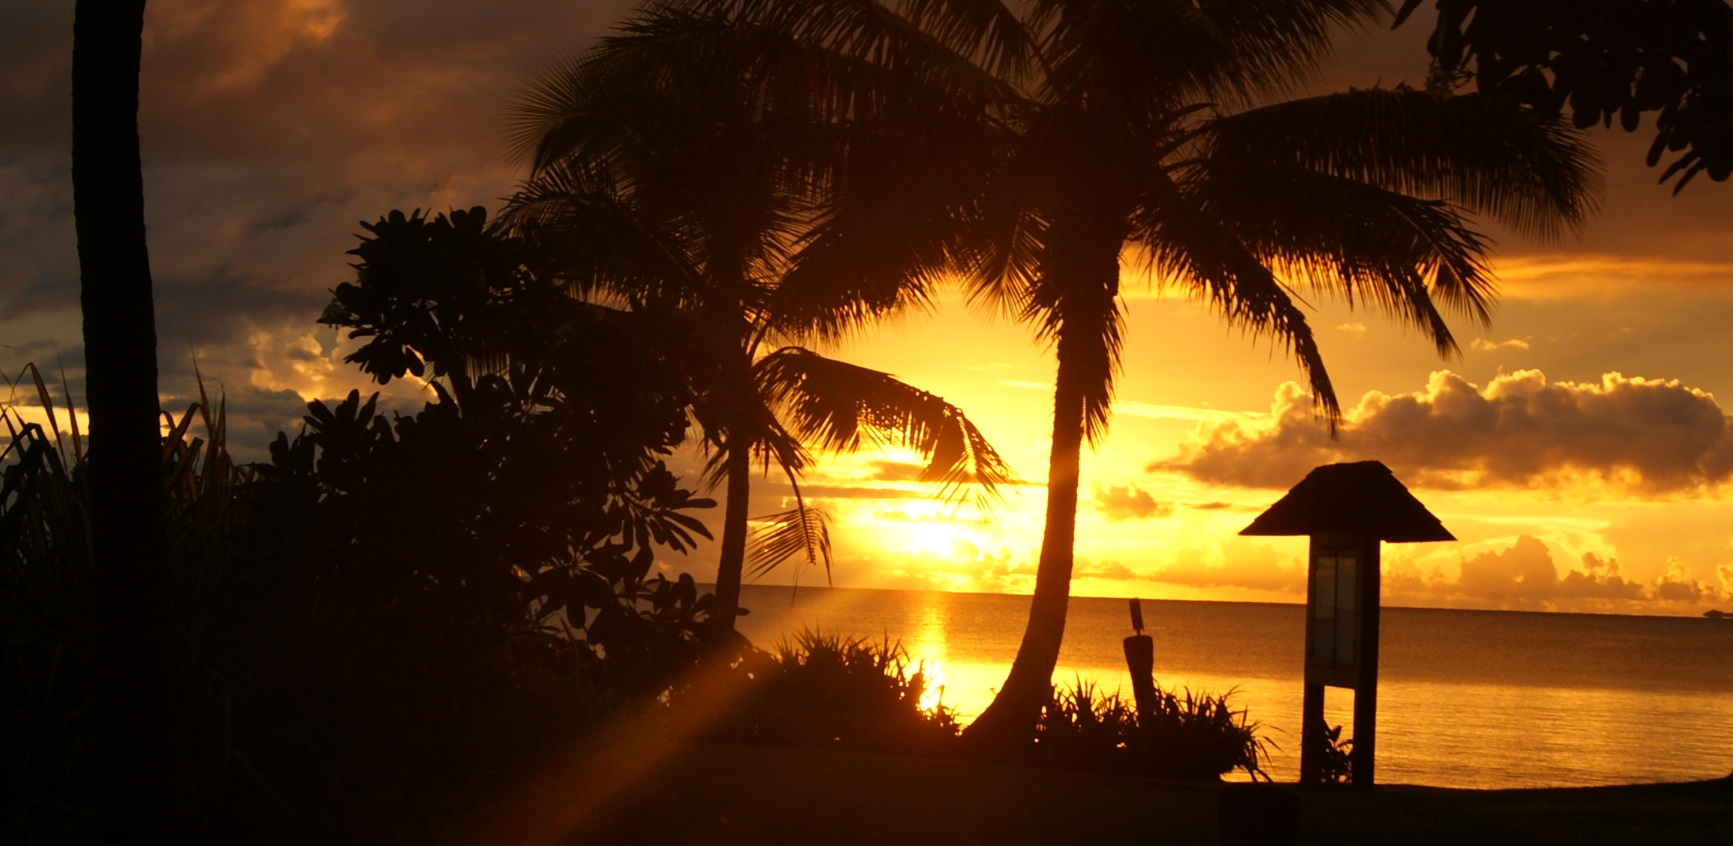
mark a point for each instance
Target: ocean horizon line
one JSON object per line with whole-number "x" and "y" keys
{"x": 1298, "y": 602}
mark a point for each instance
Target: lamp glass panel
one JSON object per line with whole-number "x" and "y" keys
{"x": 1346, "y": 619}
{"x": 1323, "y": 608}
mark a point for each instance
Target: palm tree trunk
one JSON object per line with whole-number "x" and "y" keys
{"x": 731, "y": 566}
{"x": 135, "y": 640}
{"x": 1086, "y": 271}
{"x": 1012, "y": 716}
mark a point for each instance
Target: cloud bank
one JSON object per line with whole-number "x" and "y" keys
{"x": 268, "y": 129}
{"x": 1522, "y": 576}
{"x": 1525, "y": 577}
{"x": 1128, "y": 502}
{"x": 1650, "y": 438}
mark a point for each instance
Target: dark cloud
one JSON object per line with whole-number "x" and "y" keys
{"x": 1216, "y": 506}
{"x": 269, "y": 128}
{"x": 218, "y": 308}
{"x": 45, "y": 354}
{"x": 328, "y": 79}
{"x": 36, "y": 83}
{"x": 38, "y": 258}
{"x": 1128, "y": 502}
{"x": 1651, "y": 437}
{"x": 255, "y": 416}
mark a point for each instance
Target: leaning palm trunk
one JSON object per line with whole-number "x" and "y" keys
{"x": 1029, "y": 685}
{"x": 1086, "y": 345}
{"x": 731, "y": 566}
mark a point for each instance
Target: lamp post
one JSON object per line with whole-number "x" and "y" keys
{"x": 1348, "y": 511}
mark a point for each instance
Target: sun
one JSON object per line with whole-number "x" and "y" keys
{"x": 936, "y": 539}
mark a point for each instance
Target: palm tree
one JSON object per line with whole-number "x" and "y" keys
{"x": 1085, "y": 137}
{"x": 135, "y": 640}
{"x": 666, "y": 185}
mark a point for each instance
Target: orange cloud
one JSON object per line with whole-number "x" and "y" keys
{"x": 1128, "y": 502}
{"x": 1539, "y": 277}
{"x": 1525, "y": 573}
{"x": 1524, "y": 576}
{"x": 1645, "y": 437}
{"x": 226, "y": 45}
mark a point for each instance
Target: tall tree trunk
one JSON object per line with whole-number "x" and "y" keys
{"x": 135, "y": 639}
{"x": 1014, "y": 711}
{"x": 731, "y": 566}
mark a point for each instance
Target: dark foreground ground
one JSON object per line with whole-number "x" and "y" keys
{"x": 708, "y": 794}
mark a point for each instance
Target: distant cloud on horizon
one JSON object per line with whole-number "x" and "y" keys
{"x": 1521, "y": 576}
{"x": 1650, "y": 438}
{"x": 1524, "y": 576}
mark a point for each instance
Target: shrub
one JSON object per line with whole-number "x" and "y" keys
{"x": 328, "y": 689}
{"x": 1336, "y": 764}
{"x": 830, "y": 691}
{"x": 1182, "y": 735}
{"x": 1200, "y": 737}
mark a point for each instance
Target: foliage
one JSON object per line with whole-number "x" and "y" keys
{"x": 830, "y": 691}
{"x": 1336, "y": 764}
{"x": 47, "y": 621}
{"x": 533, "y": 483}
{"x": 1183, "y": 735}
{"x": 48, "y": 609}
{"x": 663, "y": 179}
{"x": 1601, "y": 60}
{"x": 365, "y": 620}
{"x": 1199, "y": 736}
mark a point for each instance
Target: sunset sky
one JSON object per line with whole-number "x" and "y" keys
{"x": 1576, "y": 447}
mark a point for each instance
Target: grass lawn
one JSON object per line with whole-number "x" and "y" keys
{"x": 700, "y": 793}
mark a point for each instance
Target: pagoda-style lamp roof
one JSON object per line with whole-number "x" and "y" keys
{"x": 1359, "y": 498}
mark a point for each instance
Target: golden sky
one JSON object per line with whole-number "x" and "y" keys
{"x": 1576, "y": 447}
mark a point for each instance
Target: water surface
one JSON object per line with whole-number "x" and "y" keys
{"x": 1479, "y": 699}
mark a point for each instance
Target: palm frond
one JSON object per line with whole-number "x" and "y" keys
{"x": 802, "y": 533}
{"x": 1074, "y": 305}
{"x": 1339, "y": 236}
{"x": 623, "y": 252}
{"x": 1536, "y": 174}
{"x": 839, "y": 407}
{"x": 1170, "y": 52}
{"x": 987, "y": 32}
{"x": 1194, "y": 249}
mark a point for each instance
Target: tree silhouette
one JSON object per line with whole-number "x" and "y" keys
{"x": 1059, "y": 146}
{"x": 135, "y": 640}
{"x": 664, "y": 181}
{"x": 1600, "y": 60}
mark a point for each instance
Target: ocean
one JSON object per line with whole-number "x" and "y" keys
{"x": 1474, "y": 699}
